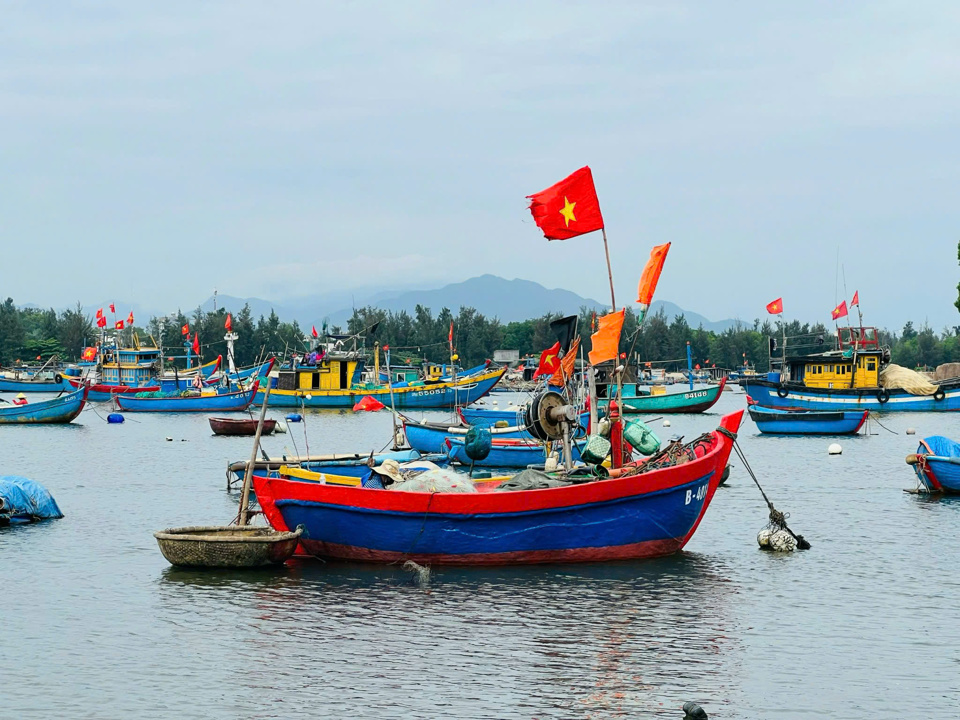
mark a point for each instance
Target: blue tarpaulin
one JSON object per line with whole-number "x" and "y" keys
{"x": 23, "y": 500}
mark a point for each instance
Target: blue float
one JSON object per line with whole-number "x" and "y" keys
{"x": 294, "y": 417}
{"x": 114, "y": 418}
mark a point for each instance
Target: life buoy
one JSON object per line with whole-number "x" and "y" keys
{"x": 939, "y": 394}
{"x": 782, "y": 392}
{"x": 882, "y": 395}
{"x": 58, "y": 378}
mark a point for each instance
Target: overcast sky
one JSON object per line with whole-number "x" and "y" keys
{"x": 152, "y": 152}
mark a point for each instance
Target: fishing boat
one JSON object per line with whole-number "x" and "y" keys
{"x": 937, "y": 464}
{"x": 506, "y": 453}
{"x": 240, "y": 426}
{"x": 807, "y": 422}
{"x": 857, "y": 375}
{"x": 199, "y": 402}
{"x": 431, "y": 437}
{"x": 45, "y": 378}
{"x": 61, "y": 409}
{"x": 631, "y": 516}
{"x": 485, "y": 417}
{"x": 185, "y": 380}
{"x": 121, "y": 371}
{"x": 336, "y": 381}
{"x": 659, "y": 400}
{"x": 353, "y": 465}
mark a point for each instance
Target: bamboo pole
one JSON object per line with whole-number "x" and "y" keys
{"x": 606, "y": 250}
{"x": 248, "y": 473}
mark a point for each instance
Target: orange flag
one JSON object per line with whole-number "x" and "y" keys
{"x": 606, "y": 340}
{"x": 651, "y": 274}
{"x": 228, "y": 323}
{"x": 565, "y": 371}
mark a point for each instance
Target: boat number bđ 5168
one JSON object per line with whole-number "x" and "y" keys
{"x": 700, "y": 493}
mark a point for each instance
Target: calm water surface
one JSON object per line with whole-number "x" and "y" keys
{"x": 97, "y": 625}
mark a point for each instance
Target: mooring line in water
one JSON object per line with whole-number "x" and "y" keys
{"x": 873, "y": 417}
{"x": 777, "y": 518}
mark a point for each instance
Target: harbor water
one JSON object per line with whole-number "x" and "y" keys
{"x": 96, "y": 624}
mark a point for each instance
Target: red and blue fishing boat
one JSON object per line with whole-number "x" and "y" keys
{"x": 631, "y": 516}
{"x": 937, "y": 464}
{"x": 61, "y": 409}
{"x": 199, "y": 402}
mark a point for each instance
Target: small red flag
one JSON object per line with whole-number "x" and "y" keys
{"x": 228, "y": 323}
{"x": 99, "y": 313}
{"x": 185, "y": 330}
{"x": 101, "y": 322}
{"x": 568, "y": 208}
{"x": 119, "y": 325}
{"x": 130, "y": 318}
{"x": 549, "y": 361}
{"x": 113, "y": 309}
{"x": 450, "y": 334}
{"x": 196, "y": 343}
{"x": 839, "y": 311}
{"x": 313, "y": 331}
{"x": 776, "y": 307}
{"x": 856, "y": 298}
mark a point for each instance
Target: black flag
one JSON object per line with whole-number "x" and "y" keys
{"x": 566, "y": 330}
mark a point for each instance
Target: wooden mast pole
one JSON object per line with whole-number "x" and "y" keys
{"x": 606, "y": 250}
{"x": 248, "y": 473}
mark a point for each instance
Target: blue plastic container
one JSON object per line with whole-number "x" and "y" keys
{"x": 114, "y": 418}
{"x": 294, "y": 417}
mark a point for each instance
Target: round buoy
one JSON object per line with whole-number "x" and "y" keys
{"x": 294, "y": 417}
{"x": 114, "y": 418}
{"x": 666, "y": 423}
{"x": 169, "y": 439}
{"x": 495, "y": 402}
{"x": 835, "y": 449}
{"x": 911, "y": 431}
{"x": 308, "y": 396}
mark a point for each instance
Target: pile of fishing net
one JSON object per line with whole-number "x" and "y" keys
{"x": 159, "y": 394}
{"x": 897, "y": 377}
{"x": 440, "y": 480}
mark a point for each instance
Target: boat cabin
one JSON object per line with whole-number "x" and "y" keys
{"x": 856, "y": 364}
{"x": 134, "y": 367}
{"x": 337, "y": 370}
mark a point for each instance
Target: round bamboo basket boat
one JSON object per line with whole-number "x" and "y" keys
{"x": 232, "y": 546}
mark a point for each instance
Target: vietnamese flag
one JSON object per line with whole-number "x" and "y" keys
{"x": 130, "y": 318}
{"x": 606, "y": 339}
{"x": 185, "y": 330}
{"x": 119, "y": 325}
{"x": 856, "y": 298}
{"x": 101, "y": 322}
{"x": 839, "y": 311}
{"x": 565, "y": 370}
{"x": 569, "y": 208}
{"x": 776, "y": 307}
{"x": 99, "y": 313}
{"x": 313, "y": 331}
{"x": 196, "y": 343}
{"x": 228, "y": 323}
{"x": 112, "y": 308}
{"x": 549, "y": 361}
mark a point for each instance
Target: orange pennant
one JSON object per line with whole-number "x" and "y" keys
{"x": 565, "y": 371}
{"x": 606, "y": 340}
{"x": 651, "y": 274}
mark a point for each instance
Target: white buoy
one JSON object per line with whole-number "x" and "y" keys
{"x": 911, "y": 431}
{"x": 495, "y": 402}
{"x": 666, "y": 423}
{"x": 835, "y": 449}
{"x": 308, "y": 396}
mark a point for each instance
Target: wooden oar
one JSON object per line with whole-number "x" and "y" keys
{"x": 248, "y": 474}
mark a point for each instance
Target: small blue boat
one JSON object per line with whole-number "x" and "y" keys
{"x": 221, "y": 402}
{"x": 41, "y": 382}
{"x": 807, "y": 422}
{"x": 485, "y": 417}
{"x": 355, "y": 465}
{"x": 506, "y": 453}
{"x": 61, "y": 409}
{"x": 937, "y": 464}
{"x": 185, "y": 381}
{"x": 430, "y": 437}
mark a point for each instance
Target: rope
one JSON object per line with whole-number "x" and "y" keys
{"x": 873, "y": 416}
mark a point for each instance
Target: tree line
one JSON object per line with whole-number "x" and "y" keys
{"x": 29, "y": 333}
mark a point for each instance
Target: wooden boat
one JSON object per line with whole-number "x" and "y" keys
{"x": 240, "y": 426}
{"x": 121, "y": 371}
{"x": 807, "y": 422}
{"x": 186, "y": 380}
{"x": 697, "y": 400}
{"x": 43, "y": 382}
{"x": 219, "y": 402}
{"x": 356, "y": 465}
{"x": 336, "y": 382}
{"x": 937, "y": 464}
{"x": 846, "y": 379}
{"x": 506, "y": 453}
{"x": 484, "y": 416}
{"x": 61, "y": 409}
{"x": 431, "y": 437}
{"x": 630, "y": 516}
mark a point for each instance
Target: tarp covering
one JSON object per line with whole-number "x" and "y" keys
{"x": 24, "y": 499}
{"x": 948, "y": 371}
{"x": 897, "y": 377}
{"x": 941, "y": 446}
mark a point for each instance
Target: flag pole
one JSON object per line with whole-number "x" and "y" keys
{"x": 606, "y": 250}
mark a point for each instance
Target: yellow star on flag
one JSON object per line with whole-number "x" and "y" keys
{"x": 567, "y": 211}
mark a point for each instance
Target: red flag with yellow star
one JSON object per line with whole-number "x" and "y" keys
{"x": 549, "y": 361}
{"x": 569, "y": 208}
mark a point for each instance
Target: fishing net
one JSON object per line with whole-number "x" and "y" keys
{"x": 440, "y": 480}
{"x": 532, "y": 480}
{"x": 897, "y": 377}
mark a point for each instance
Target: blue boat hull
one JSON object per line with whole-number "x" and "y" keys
{"x": 433, "y": 439}
{"x": 58, "y": 410}
{"x": 506, "y": 456}
{"x": 25, "y": 386}
{"x": 770, "y": 394}
{"x": 228, "y": 402}
{"x": 938, "y": 466}
{"x": 358, "y": 467}
{"x": 780, "y": 422}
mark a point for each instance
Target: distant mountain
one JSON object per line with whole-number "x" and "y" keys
{"x": 693, "y": 319}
